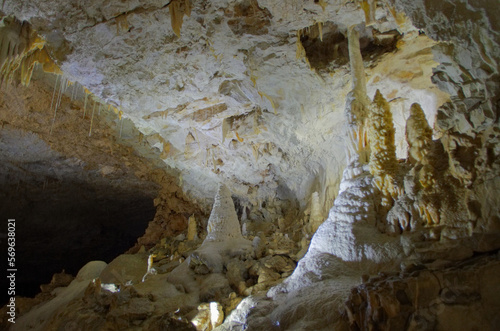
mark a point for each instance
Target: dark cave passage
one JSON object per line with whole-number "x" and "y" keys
{"x": 67, "y": 224}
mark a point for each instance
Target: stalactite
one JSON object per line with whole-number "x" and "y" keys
{"x": 85, "y": 105}
{"x": 213, "y": 162}
{"x": 62, "y": 89}
{"x": 92, "y": 118}
{"x": 322, "y": 3}
{"x": 301, "y": 51}
{"x": 369, "y": 7}
{"x": 255, "y": 151}
{"x": 320, "y": 29}
{"x": 73, "y": 92}
{"x": 357, "y": 102}
{"x": 54, "y": 93}
{"x": 400, "y": 18}
{"x": 177, "y": 9}
{"x": 121, "y": 127}
{"x": 20, "y": 50}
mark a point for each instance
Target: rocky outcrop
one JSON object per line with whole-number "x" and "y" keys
{"x": 435, "y": 296}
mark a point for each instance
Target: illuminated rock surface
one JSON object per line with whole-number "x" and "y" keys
{"x": 357, "y": 143}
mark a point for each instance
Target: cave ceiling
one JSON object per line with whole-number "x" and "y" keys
{"x": 249, "y": 93}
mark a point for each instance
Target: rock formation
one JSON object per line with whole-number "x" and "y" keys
{"x": 118, "y": 121}
{"x": 223, "y": 223}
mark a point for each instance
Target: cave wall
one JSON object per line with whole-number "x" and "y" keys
{"x": 75, "y": 196}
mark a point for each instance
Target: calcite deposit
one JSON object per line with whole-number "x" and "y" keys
{"x": 293, "y": 165}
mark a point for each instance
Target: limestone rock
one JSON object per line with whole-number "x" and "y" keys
{"x": 38, "y": 317}
{"x": 428, "y": 299}
{"x": 280, "y": 264}
{"x": 125, "y": 268}
{"x": 210, "y": 315}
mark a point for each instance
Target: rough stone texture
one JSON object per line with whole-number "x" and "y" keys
{"x": 465, "y": 297}
{"x": 245, "y": 93}
{"x": 124, "y": 269}
{"x": 67, "y": 189}
{"x": 38, "y": 317}
{"x": 222, "y": 108}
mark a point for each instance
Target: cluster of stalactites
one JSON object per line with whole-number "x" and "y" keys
{"x": 177, "y": 9}
{"x": 301, "y": 51}
{"x": 20, "y": 49}
{"x": 419, "y": 138}
{"x": 357, "y": 103}
{"x": 369, "y": 7}
{"x": 383, "y": 162}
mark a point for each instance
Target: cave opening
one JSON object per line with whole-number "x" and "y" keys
{"x": 61, "y": 225}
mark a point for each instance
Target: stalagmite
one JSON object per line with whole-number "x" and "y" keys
{"x": 315, "y": 219}
{"x": 223, "y": 222}
{"x": 224, "y": 239}
{"x": 418, "y": 134}
{"x": 150, "y": 270}
{"x": 383, "y": 162}
{"x": 419, "y": 138}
